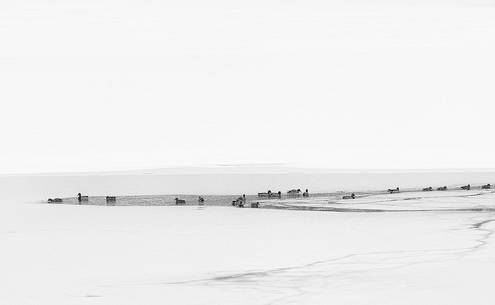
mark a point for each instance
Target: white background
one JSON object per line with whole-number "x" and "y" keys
{"x": 109, "y": 85}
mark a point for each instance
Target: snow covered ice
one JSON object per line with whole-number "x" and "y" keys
{"x": 427, "y": 254}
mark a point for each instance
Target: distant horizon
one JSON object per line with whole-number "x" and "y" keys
{"x": 253, "y": 168}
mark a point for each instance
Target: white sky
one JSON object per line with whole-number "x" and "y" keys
{"x": 109, "y": 85}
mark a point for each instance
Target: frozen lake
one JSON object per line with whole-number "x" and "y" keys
{"x": 424, "y": 252}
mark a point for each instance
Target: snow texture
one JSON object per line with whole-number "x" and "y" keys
{"x": 434, "y": 248}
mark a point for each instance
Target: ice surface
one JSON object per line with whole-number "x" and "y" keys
{"x": 69, "y": 254}
{"x": 406, "y": 201}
